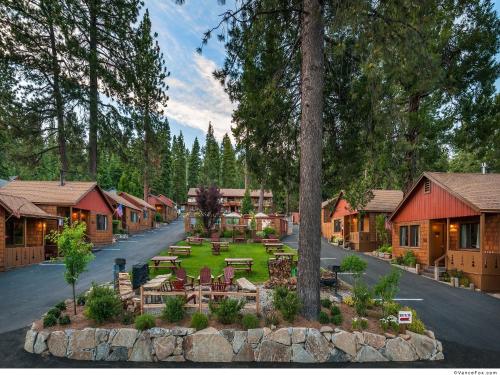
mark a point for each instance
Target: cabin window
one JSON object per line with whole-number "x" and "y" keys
{"x": 403, "y": 236}
{"x": 415, "y": 235}
{"x": 427, "y": 187}
{"x": 14, "y": 232}
{"x": 361, "y": 224}
{"x": 102, "y": 222}
{"x": 134, "y": 218}
{"x": 145, "y": 214}
{"x": 469, "y": 236}
{"x": 337, "y": 226}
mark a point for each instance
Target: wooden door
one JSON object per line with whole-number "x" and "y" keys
{"x": 437, "y": 241}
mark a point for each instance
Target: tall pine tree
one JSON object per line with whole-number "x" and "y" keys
{"x": 229, "y": 172}
{"x": 210, "y": 173}
{"x": 194, "y": 165}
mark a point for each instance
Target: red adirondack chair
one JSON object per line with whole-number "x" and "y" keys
{"x": 227, "y": 277}
{"x": 218, "y": 287}
{"x": 180, "y": 273}
{"x": 178, "y": 286}
{"x": 205, "y": 277}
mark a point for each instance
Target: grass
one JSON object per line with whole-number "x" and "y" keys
{"x": 201, "y": 255}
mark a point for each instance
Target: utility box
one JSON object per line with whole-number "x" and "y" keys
{"x": 140, "y": 274}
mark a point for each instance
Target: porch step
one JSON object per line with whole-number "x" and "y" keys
{"x": 429, "y": 271}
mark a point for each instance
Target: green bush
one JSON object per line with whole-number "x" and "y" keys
{"x": 102, "y": 304}
{"x": 359, "y": 323}
{"x": 227, "y": 310}
{"x": 464, "y": 280}
{"x": 398, "y": 260}
{"x": 81, "y": 299}
{"x": 391, "y": 308}
{"x": 271, "y": 318}
{"x": 174, "y": 309}
{"x": 279, "y": 295}
{"x": 325, "y": 302}
{"x": 250, "y": 321}
{"x": 260, "y": 234}
{"x": 54, "y": 311}
{"x": 49, "y": 320}
{"x": 291, "y": 306}
{"x": 361, "y": 296}
{"x": 127, "y": 318}
{"x": 323, "y": 318}
{"x": 354, "y": 264}
{"x": 337, "y": 319}
{"x": 61, "y": 306}
{"x": 158, "y": 218}
{"x": 199, "y": 321}
{"x": 269, "y": 230}
{"x": 335, "y": 310}
{"x": 227, "y": 234}
{"x": 409, "y": 259}
{"x": 117, "y": 226}
{"x": 387, "y": 288}
{"x": 390, "y": 322}
{"x": 144, "y": 322}
{"x": 64, "y": 320}
{"x": 416, "y": 324}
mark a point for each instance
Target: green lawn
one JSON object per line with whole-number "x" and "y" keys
{"x": 201, "y": 255}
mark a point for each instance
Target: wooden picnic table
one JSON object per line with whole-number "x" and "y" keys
{"x": 194, "y": 240}
{"x": 274, "y": 246}
{"x": 222, "y": 244}
{"x": 270, "y": 240}
{"x": 172, "y": 262}
{"x": 243, "y": 264}
{"x": 180, "y": 250}
{"x": 284, "y": 255}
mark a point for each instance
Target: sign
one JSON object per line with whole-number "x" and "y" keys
{"x": 404, "y": 317}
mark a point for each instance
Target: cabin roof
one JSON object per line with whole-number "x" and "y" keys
{"x": 116, "y": 199}
{"x": 19, "y": 206}
{"x": 138, "y": 201}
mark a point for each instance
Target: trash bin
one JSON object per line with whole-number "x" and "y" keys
{"x": 118, "y": 267}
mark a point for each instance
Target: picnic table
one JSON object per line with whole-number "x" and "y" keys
{"x": 273, "y": 246}
{"x": 179, "y": 250}
{"x": 270, "y": 240}
{"x": 168, "y": 262}
{"x": 194, "y": 240}
{"x": 243, "y": 264}
{"x": 217, "y": 246}
{"x": 284, "y": 255}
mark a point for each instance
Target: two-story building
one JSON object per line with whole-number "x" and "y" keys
{"x": 232, "y": 199}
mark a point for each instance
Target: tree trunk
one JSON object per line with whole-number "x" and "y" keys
{"x": 93, "y": 89}
{"x": 311, "y": 127}
{"x": 261, "y": 197}
{"x": 61, "y": 133}
{"x": 246, "y": 174}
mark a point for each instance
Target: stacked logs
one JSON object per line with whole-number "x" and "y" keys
{"x": 127, "y": 295}
{"x": 280, "y": 272}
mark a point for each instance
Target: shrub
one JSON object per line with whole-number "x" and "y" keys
{"x": 323, "y": 317}
{"x": 354, "y": 264}
{"x": 145, "y": 321}
{"x": 279, "y": 295}
{"x": 335, "y": 310}
{"x": 174, "y": 309}
{"x": 80, "y": 300}
{"x": 387, "y": 288}
{"x": 102, "y": 304}
{"x": 325, "y": 302}
{"x": 49, "y": 320}
{"x": 227, "y": 310}
{"x": 158, "y": 218}
{"x": 398, "y": 260}
{"x": 227, "y": 234}
{"x": 55, "y": 312}
{"x": 410, "y": 259}
{"x": 250, "y": 321}
{"x": 291, "y": 306}
{"x": 271, "y": 318}
{"x": 361, "y": 297}
{"x": 464, "y": 280}
{"x": 416, "y": 324}
{"x": 64, "y": 320}
{"x": 199, "y": 321}
{"x": 348, "y": 300}
{"x": 61, "y": 306}
{"x": 260, "y": 234}
{"x": 359, "y": 323}
{"x": 389, "y": 322}
{"x": 127, "y": 318}
{"x": 269, "y": 230}
{"x": 391, "y": 308}
{"x": 337, "y": 319}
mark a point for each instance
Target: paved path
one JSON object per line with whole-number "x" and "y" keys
{"x": 26, "y": 293}
{"x": 468, "y": 318}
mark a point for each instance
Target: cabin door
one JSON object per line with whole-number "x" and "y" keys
{"x": 437, "y": 242}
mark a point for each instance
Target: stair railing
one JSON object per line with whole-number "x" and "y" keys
{"x": 436, "y": 266}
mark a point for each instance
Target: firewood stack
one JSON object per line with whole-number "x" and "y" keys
{"x": 127, "y": 295}
{"x": 280, "y": 272}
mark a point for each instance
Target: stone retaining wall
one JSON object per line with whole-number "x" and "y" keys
{"x": 302, "y": 345}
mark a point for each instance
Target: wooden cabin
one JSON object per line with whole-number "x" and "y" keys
{"x": 130, "y": 213}
{"x": 327, "y": 208}
{"x": 164, "y": 206}
{"x": 23, "y": 228}
{"x": 453, "y": 219}
{"x": 232, "y": 200}
{"x": 357, "y": 227}
{"x": 147, "y": 216}
{"x": 171, "y": 208}
{"x": 74, "y": 200}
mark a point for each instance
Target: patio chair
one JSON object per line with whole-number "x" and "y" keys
{"x": 227, "y": 277}
{"x": 217, "y": 286}
{"x": 178, "y": 286}
{"x": 205, "y": 278}
{"x": 180, "y": 273}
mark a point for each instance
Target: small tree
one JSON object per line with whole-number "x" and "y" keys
{"x": 387, "y": 288}
{"x": 355, "y": 265}
{"x": 76, "y": 252}
{"x": 381, "y": 230}
{"x": 209, "y": 205}
{"x": 246, "y": 203}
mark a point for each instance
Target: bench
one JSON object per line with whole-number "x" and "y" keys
{"x": 180, "y": 250}
{"x": 194, "y": 240}
{"x": 270, "y": 240}
{"x": 165, "y": 262}
{"x": 274, "y": 246}
{"x": 240, "y": 264}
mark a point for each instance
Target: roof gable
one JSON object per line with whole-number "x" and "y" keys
{"x": 137, "y": 201}
{"x": 116, "y": 199}
{"x": 19, "y": 206}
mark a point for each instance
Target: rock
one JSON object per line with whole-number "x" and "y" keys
{"x": 374, "y": 340}
{"x": 266, "y": 332}
{"x": 337, "y": 330}
{"x": 439, "y": 346}
{"x": 178, "y": 346}
{"x": 429, "y": 333}
{"x": 176, "y": 358}
{"x": 125, "y": 337}
{"x": 399, "y": 349}
{"x": 317, "y": 346}
{"x": 228, "y": 334}
{"x": 369, "y": 354}
{"x": 102, "y": 351}
{"x": 246, "y": 354}
{"x": 240, "y": 338}
{"x": 300, "y": 355}
{"x": 439, "y": 356}
{"x": 423, "y": 344}
{"x": 337, "y": 355}
{"x": 346, "y": 342}
{"x": 273, "y": 327}
{"x": 324, "y": 329}
{"x": 281, "y": 336}
{"x": 179, "y": 331}
{"x": 101, "y": 335}
{"x": 119, "y": 353}
{"x": 359, "y": 338}
{"x": 164, "y": 346}
{"x": 246, "y": 285}
{"x": 271, "y": 351}
{"x": 58, "y": 343}
{"x": 207, "y": 348}
{"x": 29, "y": 340}
{"x": 299, "y": 335}
{"x": 404, "y": 336}
{"x": 327, "y": 336}
{"x": 40, "y": 343}
{"x": 207, "y": 331}
{"x": 389, "y": 335}
{"x": 254, "y": 335}
{"x": 141, "y": 351}
{"x": 158, "y": 332}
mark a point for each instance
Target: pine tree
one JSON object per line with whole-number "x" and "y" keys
{"x": 179, "y": 169}
{"x": 194, "y": 165}
{"x": 229, "y": 172}
{"x": 246, "y": 203}
{"x": 164, "y": 185}
{"x": 211, "y": 163}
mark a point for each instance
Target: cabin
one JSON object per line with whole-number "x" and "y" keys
{"x": 164, "y": 207}
{"x": 232, "y": 200}
{"x": 72, "y": 200}
{"x": 23, "y": 227}
{"x": 171, "y": 208}
{"x": 124, "y": 211}
{"x": 327, "y": 208}
{"x": 452, "y": 220}
{"x": 357, "y": 227}
{"x": 147, "y": 216}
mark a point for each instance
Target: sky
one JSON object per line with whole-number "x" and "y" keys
{"x": 195, "y": 96}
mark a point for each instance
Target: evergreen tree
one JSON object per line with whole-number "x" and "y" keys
{"x": 163, "y": 184}
{"x": 229, "y": 171}
{"x": 246, "y": 203}
{"x": 194, "y": 165}
{"x": 179, "y": 169}
{"x": 210, "y": 173}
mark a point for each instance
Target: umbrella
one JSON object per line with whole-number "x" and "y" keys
{"x": 234, "y": 214}
{"x": 261, "y": 215}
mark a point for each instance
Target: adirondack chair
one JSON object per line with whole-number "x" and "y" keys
{"x": 205, "y": 278}
{"x": 227, "y": 277}
{"x": 178, "y": 286}
{"x": 215, "y": 248}
{"x": 181, "y": 274}
{"x": 217, "y": 286}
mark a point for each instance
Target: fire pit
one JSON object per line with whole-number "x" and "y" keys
{"x": 329, "y": 278}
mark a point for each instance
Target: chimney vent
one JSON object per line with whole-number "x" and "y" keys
{"x": 483, "y": 168}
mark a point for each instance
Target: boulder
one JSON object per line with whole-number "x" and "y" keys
{"x": 423, "y": 344}
{"x": 346, "y": 342}
{"x": 158, "y": 332}
{"x": 125, "y": 337}
{"x": 239, "y": 339}
{"x": 299, "y": 335}
{"x": 29, "y": 340}
{"x": 228, "y": 334}
{"x": 337, "y": 355}
{"x": 40, "y": 343}
{"x": 439, "y": 356}
{"x": 82, "y": 344}
{"x": 101, "y": 335}
{"x": 182, "y": 331}
{"x": 207, "y": 331}
{"x": 327, "y": 336}
{"x": 164, "y": 346}
{"x": 300, "y": 355}
{"x": 178, "y": 346}
{"x": 281, "y": 336}
{"x": 141, "y": 352}
{"x": 359, "y": 338}
{"x": 254, "y": 335}
{"x": 324, "y": 329}
{"x": 176, "y": 358}
{"x": 58, "y": 343}
{"x": 118, "y": 353}
{"x": 374, "y": 340}
{"x": 102, "y": 351}
{"x": 398, "y": 349}
{"x": 271, "y": 351}
{"x": 317, "y": 346}
{"x": 429, "y": 333}
{"x": 246, "y": 285}
{"x": 246, "y": 354}
{"x": 207, "y": 348}
{"x": 369, "y": 354}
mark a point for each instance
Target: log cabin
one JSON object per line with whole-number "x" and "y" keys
{"x": 130, "y": 213}
{"x": 164, "y": 207}
{"x": 171, "y": 208}
{"x": 452, "y": 220}
{"x": 147, "y": 217}
{"x": 327, "y": 208}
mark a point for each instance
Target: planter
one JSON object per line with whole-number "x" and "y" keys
{"x": 387, "y": 255}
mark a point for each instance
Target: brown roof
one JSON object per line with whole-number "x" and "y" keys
{"x": 50, "y": 192}
{"x": 481, "y": 191}
{"x": 384, "y": 200}
{"x": 166, "y": 200}
{"x": 116, "y": 199}
{"x": 137, "y": 201}
{"x": 19, "y": 206}
{"x": 330, "y": 201}
{"x": 236, "y": 193}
